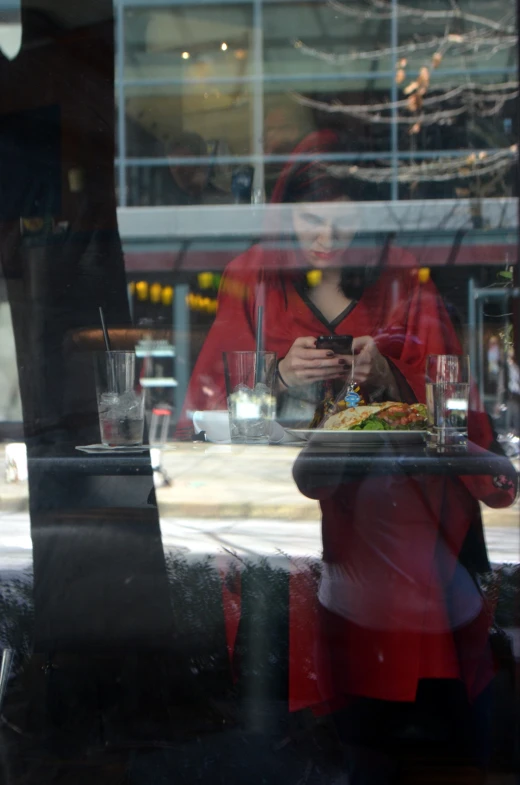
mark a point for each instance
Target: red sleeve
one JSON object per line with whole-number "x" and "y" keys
{"x": 494, "y": 491}
{"x": 233, "y": 329}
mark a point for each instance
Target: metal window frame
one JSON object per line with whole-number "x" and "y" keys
{"x": 257, "y": 79}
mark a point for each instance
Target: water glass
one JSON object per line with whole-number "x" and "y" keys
{"x": 120, "y": 402}
{"x": 447, "y": 399}
{"x": 251, "y": 402}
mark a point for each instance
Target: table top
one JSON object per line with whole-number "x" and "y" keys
{"x": 387, "y": 456}
{"x": 320, "y": 459}
{"x": 313, "y": 458}
{"x": 76, "y": 462}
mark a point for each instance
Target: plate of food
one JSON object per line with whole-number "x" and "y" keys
{"x": 379, "y": 423}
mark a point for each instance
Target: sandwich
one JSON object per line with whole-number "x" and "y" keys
{"x": 389, "y": 416}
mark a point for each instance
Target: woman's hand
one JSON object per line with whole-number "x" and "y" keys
{"x": 304, "y": 364}
{"x": 371, "y": 369}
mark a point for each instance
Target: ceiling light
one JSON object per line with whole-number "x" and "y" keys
{"x": 185, "y": 55}
{"x": 223, "y": 46}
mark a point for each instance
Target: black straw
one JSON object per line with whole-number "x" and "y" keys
{"x": 259, "y": 341}
{"x": 111, "y": 366}
{"x": 227, "y": 376}
{"x": 105, "y": 331}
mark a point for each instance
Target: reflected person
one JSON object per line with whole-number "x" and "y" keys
{"x": 190, "y": 183}
{"x": 395, "y": 609}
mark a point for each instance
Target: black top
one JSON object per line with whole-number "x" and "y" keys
{"x": 303, "y": 291}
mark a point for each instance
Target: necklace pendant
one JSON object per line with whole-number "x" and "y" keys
{"x": 352, "y": 398}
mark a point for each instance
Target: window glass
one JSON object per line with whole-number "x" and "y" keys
{"x": 259, "y": 392}
{"x": 187, "y": 88}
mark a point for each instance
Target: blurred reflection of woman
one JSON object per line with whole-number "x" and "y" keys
{"x": 316, "y": 234}
{"x": 396, "y": 607}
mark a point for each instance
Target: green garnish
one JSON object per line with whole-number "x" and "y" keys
{"x": 371, "y": 424}
{"x": 375, "y": 423}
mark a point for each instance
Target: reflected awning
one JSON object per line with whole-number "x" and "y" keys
{"x": 436, "y": 232}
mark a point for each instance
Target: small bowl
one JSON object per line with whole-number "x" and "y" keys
{"x": 215, "y": 424}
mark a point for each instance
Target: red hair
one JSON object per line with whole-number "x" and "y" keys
{"x": 308, "y": 180}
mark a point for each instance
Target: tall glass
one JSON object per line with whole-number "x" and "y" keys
{"x": 120, "y": 402}
{"x": 447, "y": 399}
{"x": 251, "y": 401}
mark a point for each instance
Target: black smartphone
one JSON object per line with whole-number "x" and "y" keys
{"x": 339, "y": 344}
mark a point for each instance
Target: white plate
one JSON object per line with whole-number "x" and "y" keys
{"x": 98, "y": 449}
{"x": 351, "y": 438}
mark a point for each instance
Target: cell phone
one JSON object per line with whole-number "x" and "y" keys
{"x": 339, "y": 344}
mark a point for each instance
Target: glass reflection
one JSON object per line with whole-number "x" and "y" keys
{"x": 395, "y": 616}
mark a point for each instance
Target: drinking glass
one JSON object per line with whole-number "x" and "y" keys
{"x": 251, "y": 402}
{"x": 447, "y": 399}
{"x": 120, "y": 402}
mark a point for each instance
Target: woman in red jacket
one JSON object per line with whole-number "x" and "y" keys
{"x": 394, "y": 607}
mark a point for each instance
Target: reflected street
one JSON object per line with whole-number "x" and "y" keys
{"x": 252, "y": 538}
